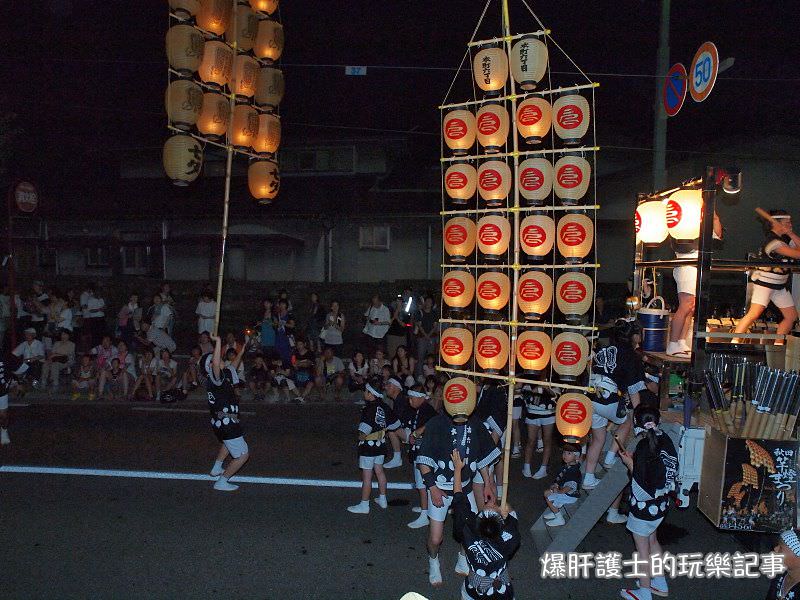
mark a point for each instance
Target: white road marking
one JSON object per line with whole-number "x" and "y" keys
{"x": 331, "y": 483}
{"x": 186, "y": 410}
{"x": 19, "y": 404}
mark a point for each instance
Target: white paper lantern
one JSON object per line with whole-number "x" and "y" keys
{"x": 650, "y": 221}
{"x": 535, "y": 180}
{"x": 572, "y": 175}
{"x": 528, "y": 62}
{"x": 571, "y": 118}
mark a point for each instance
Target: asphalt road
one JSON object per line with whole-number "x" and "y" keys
{"x": 102, "y": 537}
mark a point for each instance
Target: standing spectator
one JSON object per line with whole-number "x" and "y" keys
{"x": 166, "y": 374}
{"x": 284, "y": 332}
{"x": 154, "y": 339}
{"x": 284, "y": 295}
{"x": 61, "y": 357}
{"x": 32, "y": 352}
{"x": 74, "y": 304}
{"x": 127, "y": 318}
{"x": 206, "y": 312}
{"x": 267, "y": 325}
{"x": 57, "y": 304}
{"x": 334, "y": 327}
{"x": 39, "y": 306}
{"x": 316, "y": 320}
{"x": 168, "y": 299}
{"x": 160, "y": 314}
{"x": 303, "y": 362}
{"x": 147, "y": 368}
{"x": 404, "y": 365}
{"x": 359, "y": 372}
{"x": 331, "y": 372}
{"x": 378, "y": 321}
{"x": 94, "y": 316}
{"x": 427, "y": 331}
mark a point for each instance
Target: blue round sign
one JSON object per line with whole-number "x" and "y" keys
{"x": 675, "y": 86}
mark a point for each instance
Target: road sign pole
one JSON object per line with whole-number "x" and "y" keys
{"x": 660, "y": 126}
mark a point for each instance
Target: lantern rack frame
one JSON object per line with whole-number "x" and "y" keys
{"x": 565, "y": 150}
{"x": 519, "y": 266}
{"x": 204, "y": 139}
{"x": 521, "y": 324}
{"x": 512, "y": 380}
{"x": 509, "y": 38}
{"x": 512, "y": 209}
{"x": 522, "y": 96}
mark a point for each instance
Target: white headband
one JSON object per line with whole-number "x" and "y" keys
{"x": 789, "y": 537}
{"x": 394, "y": 382}
{"x": 415, "y": 394}
{"x": 373, "y": 391}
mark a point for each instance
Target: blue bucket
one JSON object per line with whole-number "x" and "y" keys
{"x": 655, "y": 324}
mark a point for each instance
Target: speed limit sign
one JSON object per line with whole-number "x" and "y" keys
{"x": 703, "y": 72}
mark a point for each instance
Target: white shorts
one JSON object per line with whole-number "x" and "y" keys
{"x": 540, "y": 421}
{"x": 781, "y": 298}
{"x": 4, "y": 402}
{"x": 641, "y": 527}
{"x": 686, "y": 279}
{"x": 603, "y": 413}
{"x": 558, "y": 499}
{"x": 440, "y": 514}
{"x": 237, "y": 446}
{"x": 418, "y": 483}
{"x": 367, "y": 462}
{"x": 516, "y": 412}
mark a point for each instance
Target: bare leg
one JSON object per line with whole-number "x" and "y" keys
{"x": 595, "y": 448}
{"x": 423, "y": 499}
{"x": 684, "y": 311}
{"x": 394, "y": 439}
{"x": 380, "y": 475}
{"x": 223, "y": 453}
{"x": 435, "y": 537}
{"x": 234, "y": 466}
{"x": 101, "y": 387}
{"x": 643, "y": 548}
{"x": 547, "y": 439}
{"x": 746, "y": 321}
{"x": 533, "y": 434}
{"x": 515, "y": 433}
{"x": 789, "y": 317}
{"x": 366, "y": 484}
{"x": 624, "y": 431}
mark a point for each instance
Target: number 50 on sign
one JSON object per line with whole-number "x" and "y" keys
{"x": 703, "y": 72}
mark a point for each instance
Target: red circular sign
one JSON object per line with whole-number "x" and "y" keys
{"x": 568, "y": 353}
{"x": 569, "y": 116}
{"x": 573, "y": 412}
{"x": 674, "y": 213}
{"x": 26, "y": 197}
{"x": 530, "y": 114}
{"x": 488, "y": 123}
{"x": 456, "y": 180}
{"x": 456, "y": 393}
{"x": 455, "y": 235}
{"x": 489, "y": 290}
{"x": 573, "y": 234}
{"x": 570, "y": 176}
{"x": 530, "y": 290}
{"x": 490, "y": 180}
{"x": 455, "y": 129}
{"x": 531, "y": 179}
{"x": 531, "y": 350}
{"x": 637, "y": 221}
{"x": 573, "y": 292}
{"x": 452, "y": 346}
{"x": 489, "y": 346}
{"x": 490, "y": 234}
{"x": 453, "y": 287}
{"x": 534, "y": 236}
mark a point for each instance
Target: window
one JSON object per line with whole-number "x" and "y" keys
{"x": 48, "y": 257}
{"x": 135, "y": 259}
{"x": 97, "y": 256}
{"x": 374, "y": 237}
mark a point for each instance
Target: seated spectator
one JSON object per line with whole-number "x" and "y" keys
{"x": 154, "y": 339}
{"x": 404, "y": 366}
{"x": 113, "y": 383}
{"x": 283, "y": 296}
{"x": 428, "y": 368}
{"x": 204, "y": 342}
{"x": 61, "y": 357}
{"x": 303, "y": 362}
{"x": 85, "y": 378}
{"x": 159, "y": 314}
{"x": 386, "y": 375}
{"x": 169, "y": 300}
{"x": 147, "y": 368}
{"x": 359, "y": 371}
{"x": 259, "y": 378}
{"x": 103, "y": 353}
{"x": 32, "y": 352}
{"x": 194, "y": 374}
{"x": 333, "y": 327}
{"x": 434, "y": 391}
{"x": 228, "y": 360}
{"x": 377, "y": 362}
{"x": 166, "y": 374}
{"x": 330, "y": 372}
{"x": 282, "y": 379}
{"x": 206, "y": 312}
{"x": 266, "y": 324}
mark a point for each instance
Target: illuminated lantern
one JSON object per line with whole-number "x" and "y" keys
{"x": 184, "y": 49}
{"x": 650, "y": 221}
{"x": 459, "y": 130}
{"x": 458, "y": 289}
{"x": 494, "y": 235}
{"x": 528, "y": 62}
{"x": 569, "y": 354}
{"x": 268, "y": 139}
{"x": 265, "y": 6}
{"x": 269, "y": 40}
{"x": 244, "y": 127}
{"x": 246, "y": 28}
{"x": 183, "y": 157}
{"x": 184, "y": 9}
{"x": 533, "y": 119}
{"x": 571, "y": 118}
{"x": 684, "y": 213}
{"x": 534, "y": 294}
{"x": 243, "y": 79}
{"x": 494, "y": 182}
{"x": 535, "y": 180}
{"x": 533, "y": 351}
{"x": 214, "y": 15}
{"x": 491, "y": 350}
{"x": 460, "y": 182}
{"x": 493, "y": 290}
{"x": 492, "y": 124}
{"x": 459, "y": 399}
{"x": 574, "y": 295}
{"x": 575, "y": 236}
{"x": 490, "y": 67}
{"x": 537, "y": 234}
{"x": 270, "y": 88}
{"x": 264, "y": 180}
{"x": 573, "y": 417}
{"x": 456, "y": 346}
{"x": 183, "y": 99}
{"x": 571, "y": 178}
{"x": 214, "y": 115}
{"x": 459, "y": 238}
{"x": 217, "y": 64}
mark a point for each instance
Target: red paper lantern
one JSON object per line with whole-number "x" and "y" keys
{"x": 460, "y": 182}
{"x": 537, "y": 234}
{"x": 533, "y": 351}
{"x": 535, "y": 180}
{"x": 459, "y": 397}
{"x": 459, "y": 130}
{"x": 459, "y": 238}
{"x": 534, "y": 294}
{"x": 534, "y": 116}
{"x": 491, "y": 350}
{"x": 575, "y": 237}
{"x": 494, "y": 182}
{"x": 574, "y": 295}
{"x": 458, "y": 289}
{"x": 571, "y": 118}
{"x": 569, "y": 355}
{"x": 456, "y": 345}
{"x": 494, "y": 236}
{"x": 573, "y": 416}
{"x": 492, "y": 124}
{"x": 684, "y": 214}
{"x": 493, "y": 290}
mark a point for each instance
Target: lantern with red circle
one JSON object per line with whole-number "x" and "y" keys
{"x": 458, "y": 290}
{"x": 459, "y": 131}
{"x": 534, "y": 116}
{"x": 456, "y": 345}
{"x": 534, "y": 294}
{"x": 460, "y": 182}
{"x": 494, "y": 236}
{"x": 571, "y": 178}
{"x": 650, "y": 222}
{"x": 533, "y": 351}
{"x": 492, "y": 123}
{"x": 573, "y": 416}
{"x": 574, "y": 295}
{"x": 490, "y": 67}
{"x": 459, "y": 239}
{"x": 535, "y": 180}
{"x": 537, "y": 234}
{"x": 494, "y": 182}
{"x": 569, "y": 355}
{"x": 528, "y": 62}
{"x": 459, "y": 398}
{"x": 684, "y": 210}
{"x": 491, "y": 350}
{"x": 571, "y": 118}
{"x": 493, "y": 290}
{"x": 575, "y": 237}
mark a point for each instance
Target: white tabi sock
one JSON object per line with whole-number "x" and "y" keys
{"x": 217, "y": 464}
{"x": 499, "y": 491}
{"x": 396, "y": 456}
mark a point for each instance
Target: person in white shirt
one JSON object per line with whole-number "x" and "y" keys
{"x": 94, "y": 315}
{"x": 378, "y": 320}
{"x": 166, "y": 373}
{"x": 169, "y": 300}
{"x": 206, "y": 311}
{"x": 40, "y": 302}
{"x": 155, "y": 339}
{"x": 161, "y": 313}
{"x": 61, "y": 357}
{"x": 31, "y": 351}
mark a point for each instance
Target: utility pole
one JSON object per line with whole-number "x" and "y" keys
{"x": 660, "y": 129}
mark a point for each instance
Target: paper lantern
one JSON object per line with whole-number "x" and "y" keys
{"x": 575, "y": 236}
{"x": 184, "y": 9}
{"x": 492, "y": 123}
{"x": 534, "y": 117}
{"x": 537, "y": 234}
{"x": 265, "y": 6}
{"x": 183, "y": 157}
{"x": 243, "y": 78}
{"x": 214, "y": 16}
{"x": 533, "y": 351}
{"x": 458, "y": 289}
{"x": 183, "y": 100}
{"x": 494, "y": 182}
{"x": 534, "y": 294}
{"x": 246, "y": 28}
{"x": 569, "y": 354}
{"x": 528, "y": 62}
{"x": 456, "y": 346}
{"x": 184, "y": 49}
{"x": 459, "y": 238}
{"x": 215, "y": 115}
{"x": 264, "y": 180}
{"x": 217, "y": 64}
{"x": 270, "y": 88}
{"x": 269, "y": 40}
{"x": 459, "y": 130}
{"x": 535, "y": 180}
{"x": 268, "y": 139}
{"x": 490, "y": 67}
{"x": 573, "y": 417}
{"x": 574, "y": 295}
{"x": 494, "y": 236}
{"x": 572, "y": 176}
{"x": 571, "y": 118}
{"x": 650, "y": 221}
{"x": 491, "y": 350}
{"x": 684, "y": 210}
{"x": 493, "y": 290}
{"x": 459, "y": 399}
{"x": 460, "y": 182}
{"x": 244, "y": 127}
